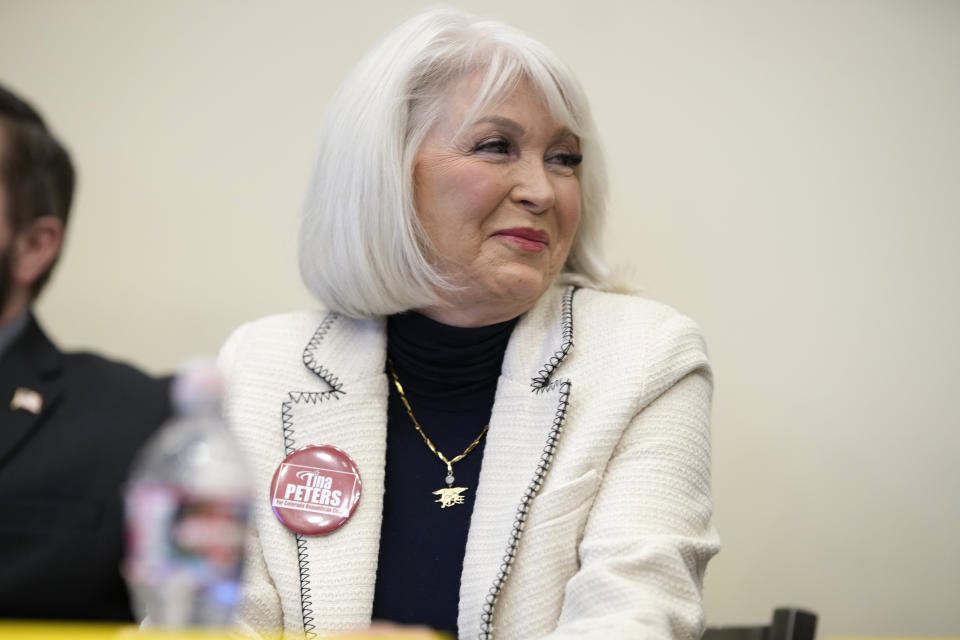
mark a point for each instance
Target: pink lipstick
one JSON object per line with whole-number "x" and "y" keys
{"x": 525, "y": 238}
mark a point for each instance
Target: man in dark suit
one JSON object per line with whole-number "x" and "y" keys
{"x": 70, "y": 424}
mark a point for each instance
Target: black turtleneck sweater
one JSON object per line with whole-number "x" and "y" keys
{"x": 449, "y": 375}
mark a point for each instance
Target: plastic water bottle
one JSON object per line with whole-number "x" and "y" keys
{"x": 187, "y": 507}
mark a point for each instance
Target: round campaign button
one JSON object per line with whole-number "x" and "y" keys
{"x": 315, "y": 489}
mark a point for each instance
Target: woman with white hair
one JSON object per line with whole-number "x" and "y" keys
{"x": 436, "y": 449}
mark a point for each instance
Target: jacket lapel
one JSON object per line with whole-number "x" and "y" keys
{"x": 348, "y": 409}
{"x": 30, "y": 387}
{"x": 527, "y": 419}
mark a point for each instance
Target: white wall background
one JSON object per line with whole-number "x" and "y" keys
{"x": 788, "y": 173}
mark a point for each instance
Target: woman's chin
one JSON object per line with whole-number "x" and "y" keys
{"x": 494, "y": 295}
{"x": 521, "y": 286}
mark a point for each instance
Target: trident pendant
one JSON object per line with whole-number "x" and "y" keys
{"x": 451, "y": 495}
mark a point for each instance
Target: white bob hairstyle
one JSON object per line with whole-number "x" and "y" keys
{"x": 362, "y": 249}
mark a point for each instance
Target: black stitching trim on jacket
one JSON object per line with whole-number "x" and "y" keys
{"x": 540, "y": 384}
{"x": 286, "y": 412}
{"x": 306, "y": 603}
{"x": 546, "y": 457}
{"x": 310, "y": 360}
{"x": 289, "y": 446}
{"x": 566, "y": 327}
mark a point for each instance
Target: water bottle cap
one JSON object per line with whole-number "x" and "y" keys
{"x": 198, "y": 388}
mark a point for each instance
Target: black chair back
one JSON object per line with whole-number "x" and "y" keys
{"x": 787, "y": 624}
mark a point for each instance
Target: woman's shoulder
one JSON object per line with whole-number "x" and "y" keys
{"x": 288, "y": 337}
{"x": 284, "y": 321}
{"x": 632, "y": 314}
{"x": 278, "y": 326}
{"x": 281, "y": 333}
{"x": 633, "y": 332}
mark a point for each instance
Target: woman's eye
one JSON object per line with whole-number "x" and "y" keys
{"x": 495, "y": 145}
{"x": 566, "y": 159}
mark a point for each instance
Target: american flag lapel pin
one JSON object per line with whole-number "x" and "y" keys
{"x": 27, "y": 399}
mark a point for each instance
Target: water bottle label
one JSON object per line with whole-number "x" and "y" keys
{"x": 188, "y": 544}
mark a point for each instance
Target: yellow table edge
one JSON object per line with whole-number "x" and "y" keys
{"x": 32, "y": 630}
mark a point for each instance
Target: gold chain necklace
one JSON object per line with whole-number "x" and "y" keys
{"x": 451, "y": 494}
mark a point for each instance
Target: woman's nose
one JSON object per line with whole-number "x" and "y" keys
{"x": 533, "y": 189}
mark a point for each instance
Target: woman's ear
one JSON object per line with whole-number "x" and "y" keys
{"x": 35, "y": 249}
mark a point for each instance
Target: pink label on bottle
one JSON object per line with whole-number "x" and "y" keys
{"x": 186, "y": 549}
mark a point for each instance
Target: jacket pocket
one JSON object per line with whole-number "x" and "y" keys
{"x": 563, "y": 503}
{"x": 547, "y": 557}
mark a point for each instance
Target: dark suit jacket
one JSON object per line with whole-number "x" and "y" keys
{"x": 61, "y": 476}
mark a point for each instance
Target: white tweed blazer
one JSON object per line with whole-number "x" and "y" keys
{"x": 592, "y": 511}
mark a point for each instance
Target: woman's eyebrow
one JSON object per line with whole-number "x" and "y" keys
{"x": 564, "y": 133}
{"x": 506, "y": 123}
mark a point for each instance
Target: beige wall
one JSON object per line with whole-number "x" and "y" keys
{"x": 786, "y": 173}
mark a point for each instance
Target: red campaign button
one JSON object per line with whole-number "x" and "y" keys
{"x": 315, "y": 489}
